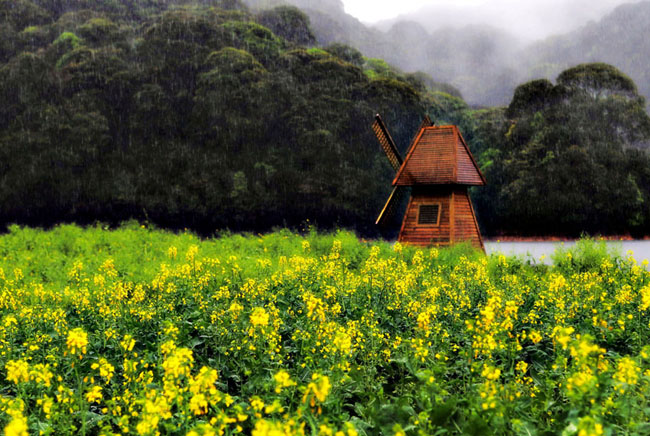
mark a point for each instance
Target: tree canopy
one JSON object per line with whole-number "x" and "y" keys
{"x": 205, "y": 115}
{"x": 190, "y": 115}
{"x": 569, "y": 159}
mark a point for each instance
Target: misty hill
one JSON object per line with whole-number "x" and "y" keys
{"x": 526, "y": 20}
{"x": 484, "y": 62}
{"x": 620, "y": 39}
{"x": 476, "y": 59}
{"x": 449, "y": 55}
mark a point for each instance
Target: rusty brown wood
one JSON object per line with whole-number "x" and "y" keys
{"x": 391, "y": 205}
{"x": 440, "y": 168}
{"x": 439, "y": 156}
{"x": 387, "y": 143}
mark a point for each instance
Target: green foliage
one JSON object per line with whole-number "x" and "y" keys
{"x": 98, "y": 30}
{"x": 189, "y": 114}
{"x": 532, "y": 96}
{"x": 68, "y": 40}
{"x": 161, "y": 110}
{"x": 252, "y": 37}
{"x": 317, "y": 51}
{"x": 424, "y": 82}
{"x": 315, "y": 333}
{"x": 585, "y": 255}
{"x": 597, "y": 78}
{"x": 563, "y": 163}
{"x": 289, "y": 23}
{"x": 233, "y": 62}
{"x": 22, "y": 13}
{"x": 346, "y": 53}
{"x": 378, "y": 68}
{"x": 617, "y": 39}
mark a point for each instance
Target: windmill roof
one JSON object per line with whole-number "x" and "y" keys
{"x": 439, "y": 155}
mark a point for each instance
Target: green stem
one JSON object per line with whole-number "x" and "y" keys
{"x": 80, "y": 399}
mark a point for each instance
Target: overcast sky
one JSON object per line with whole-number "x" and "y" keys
{"x": 530, "y": 19}
{"x": 371, "y": 11}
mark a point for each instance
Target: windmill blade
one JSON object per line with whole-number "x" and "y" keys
{"x": 387, "y": 143}
{"x": 426, "y": 122}
{"x": 393, "y": 202}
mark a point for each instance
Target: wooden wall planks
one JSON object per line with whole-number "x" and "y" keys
{"x": 457, "y": 221}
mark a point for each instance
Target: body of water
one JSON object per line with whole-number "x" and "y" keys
{"x": 543, "y": 250}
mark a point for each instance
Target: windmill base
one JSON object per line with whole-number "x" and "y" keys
{"x": 440, "y": 215}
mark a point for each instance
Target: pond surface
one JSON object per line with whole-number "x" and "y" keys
{"x": 535, "y": 250}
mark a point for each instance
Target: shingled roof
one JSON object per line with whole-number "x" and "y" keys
{"x": 438, "y": 156}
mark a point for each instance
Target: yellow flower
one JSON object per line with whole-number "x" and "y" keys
{"x": 588, "y": 426}
{"x": 77, "y": 341}
{"x": 490, "y": 372}
{"x": 521, "y": 367}
{"x": 127, "y": 343}
{"x": 17, "y": 371}
{"x": 204, "y": 381}
{"x": 202, "y": 430}
{"x": 274, "y": 407}
{"x": 178, "y": 363}
{"x": 46, "y": 403}
{"x": 199, "y": 404}
{"x": 319, "y": 387}
{"x": 148, "y": 424}
{"x": 535, "y": 336}
{"x": 627, "y": 371}
{"x": 259, "y": 317}
{"x": 351, "y": 431}
{"x": 168, "y": 347}
{"x": 106, "y": 370}
{"x": 282, "y": 380}
{"x": 41, "y": 374}
{"x": 581, "y": 381}
{"x": 645, "y": 297}
{"x": 191, "y": 253}
{"x": 267, "y": 428}
{"x": 398, "y": 431}
{"x": 563, "y": 335}
{"x": 94, "y": 394}
{"x": 257, "y": 403}
{"x": 17, "y": 427}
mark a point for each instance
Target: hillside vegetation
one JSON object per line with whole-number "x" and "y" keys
{"x": 205, "y": 115}
{"x": 189, "y": 115}
{"x": 571, "y": 158}
{"x": 617, "y": 39}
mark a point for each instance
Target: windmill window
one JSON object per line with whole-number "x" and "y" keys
{"x": 429, "y": 214}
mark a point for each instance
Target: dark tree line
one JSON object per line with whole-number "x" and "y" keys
{"x": 569, "y": 158}
{"x": 201, "y": 114}
{"x": 189, "y": 115}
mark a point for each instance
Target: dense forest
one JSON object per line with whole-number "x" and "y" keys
{"x": 208, "y": 115}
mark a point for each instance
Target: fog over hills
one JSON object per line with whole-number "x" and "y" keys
{"x": 527, "y": 20}
{"x": 620, "y": 39}
{"x": 487, "y": 49}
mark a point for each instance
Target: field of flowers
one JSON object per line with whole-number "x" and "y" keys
{"x": 140, "y": 331}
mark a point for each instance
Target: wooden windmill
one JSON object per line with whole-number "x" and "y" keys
{"x": 439, "y": 168}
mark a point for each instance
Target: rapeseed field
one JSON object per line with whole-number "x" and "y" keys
{"x": 141, "y": 331}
